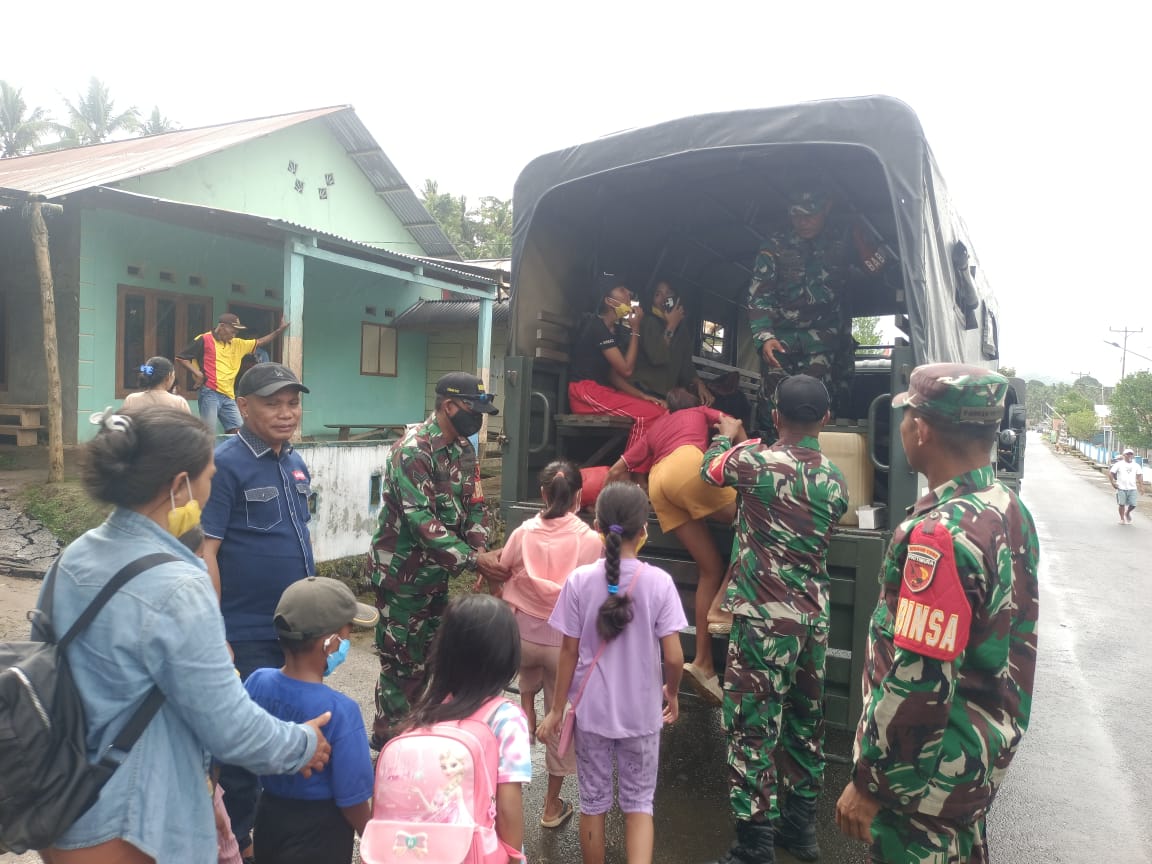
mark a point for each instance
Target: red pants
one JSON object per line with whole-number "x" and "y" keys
{"x": 588, "y": 397}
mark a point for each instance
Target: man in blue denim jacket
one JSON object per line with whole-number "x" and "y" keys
{"x": 256, "y": 538}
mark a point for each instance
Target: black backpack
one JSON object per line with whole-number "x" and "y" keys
{"x": 47, "y": 782}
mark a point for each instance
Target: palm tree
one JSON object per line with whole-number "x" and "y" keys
{"x": 19, "y": 131}
{"x": 93, "y": 118}
{"x": 157, "y": 123}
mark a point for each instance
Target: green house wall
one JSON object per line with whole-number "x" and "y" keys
{"x": 334, "y": 307}
{"x": 254, "y": 177}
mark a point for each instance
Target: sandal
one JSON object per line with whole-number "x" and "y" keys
{"x": 706, "y": 686}
{"x": 566, "y": 811}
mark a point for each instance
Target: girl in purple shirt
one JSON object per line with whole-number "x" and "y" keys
{"x": 633, "y": 611}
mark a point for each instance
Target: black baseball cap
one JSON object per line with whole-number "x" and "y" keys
{"x": 802, "y": 398}
{"x": 318, "y": 605}
{"x": 466, "y": 388}
{"x": 264, "y": 379}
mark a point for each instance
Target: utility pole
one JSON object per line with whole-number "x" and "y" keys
{"x": 1124, "y": 347}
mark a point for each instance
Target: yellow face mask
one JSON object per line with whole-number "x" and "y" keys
{"x": 659, "y": 313}
{"x": 622, "y": 310}
{"x": 186, "y": 516}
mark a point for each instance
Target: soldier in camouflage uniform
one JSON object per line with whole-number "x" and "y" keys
{"x": 952, "y": 643}
{"x": 433, "y": 525}
{"x": 789, "y": 497}
{"x": 799, "y": 322}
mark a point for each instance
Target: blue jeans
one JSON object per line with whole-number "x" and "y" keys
{"x": 213, "y": 405}
{"x": 242, "y": 787}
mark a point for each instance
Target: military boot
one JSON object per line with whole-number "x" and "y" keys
{"x": 797, "y": 829}
{"x": 753, "y": 845}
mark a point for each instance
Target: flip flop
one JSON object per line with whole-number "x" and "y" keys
{"x": 707, "y": 687}
{"x": 566, "y": 811}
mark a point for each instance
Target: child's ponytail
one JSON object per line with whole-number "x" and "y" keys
{"x": 561, "y": 482}
{"x": 621, "y": 512}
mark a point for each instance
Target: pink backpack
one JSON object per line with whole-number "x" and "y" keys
{"x": 435, "y": 796}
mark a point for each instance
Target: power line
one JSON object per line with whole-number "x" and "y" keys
{"x": 1124, "y": 347}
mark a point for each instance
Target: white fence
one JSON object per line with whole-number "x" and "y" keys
{"x": 1099, "y": 454}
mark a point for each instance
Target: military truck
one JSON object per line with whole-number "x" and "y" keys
{"x": 693, "y": 199}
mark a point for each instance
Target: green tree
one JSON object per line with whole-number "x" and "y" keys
{"x": 20, "y": 129}
{"x": 157, "y": 123}
{"x": 1071, "y": 402}
{"x": 482, "y": 232}
{"x": 1091, "y": 388}
{"x": 93, "y": 117}
{"x": 1039, "y": 396}
{"x": 1132, "y": 409}
{"x": 1082, "y": 425}
{"x": 494, "y": 228}
{"x": 866, "y": 331}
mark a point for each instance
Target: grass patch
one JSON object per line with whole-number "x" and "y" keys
{"x": 65, "y": 509}
{"x": 7, "y": 462}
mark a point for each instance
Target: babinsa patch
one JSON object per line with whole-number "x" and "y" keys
{"x": 933, "y": 616}
{"x": 920, "y": 567}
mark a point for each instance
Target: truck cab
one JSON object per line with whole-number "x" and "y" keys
{"x": 693, "y": 200}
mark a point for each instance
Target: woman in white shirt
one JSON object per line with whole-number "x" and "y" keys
{"x": 157, "y": 377}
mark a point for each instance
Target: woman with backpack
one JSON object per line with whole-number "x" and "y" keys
{"x": 541, "y": 553}
{"x": 617, "y": 616}
{"x": 161, "y": 630}
{"x": 463, "y": 748}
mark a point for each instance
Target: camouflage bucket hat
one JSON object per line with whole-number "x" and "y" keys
{"x": 956, "y": 393}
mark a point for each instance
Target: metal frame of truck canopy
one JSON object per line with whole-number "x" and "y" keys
{"x": 870, "y": 150}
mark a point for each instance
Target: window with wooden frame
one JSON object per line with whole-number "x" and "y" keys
{"x": 377, "y": 350}
{"x": 155, "y": 323}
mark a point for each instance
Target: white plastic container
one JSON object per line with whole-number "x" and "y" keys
{"x": 872, "y": 516}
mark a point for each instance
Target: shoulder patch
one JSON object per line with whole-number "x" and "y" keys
{"x": 716, "y": 466}
{"x": 933, "y": 616}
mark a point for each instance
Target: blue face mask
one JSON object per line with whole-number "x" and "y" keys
{"x": 338, "y": 657}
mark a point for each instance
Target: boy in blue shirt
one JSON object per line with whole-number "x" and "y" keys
{"x": 311, "y": 820}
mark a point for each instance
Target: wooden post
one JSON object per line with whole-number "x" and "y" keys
{"x": 51, "y": 355}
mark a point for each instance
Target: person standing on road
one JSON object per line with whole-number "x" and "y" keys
{"x": 433, "y": 525}
{"x": 256, "y": 540}
{"x": 952, "y": 644}
{"x": 788, "y": 498}
{"x": 1127, "y": 478}
{"x": 621, "y": 620}
{"x": 795, "y": 301}
{"x": 214, "y": 358}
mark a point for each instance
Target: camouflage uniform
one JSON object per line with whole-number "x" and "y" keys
{"x": 432, "y": 522}
{"x": 795, "y": 297}
{"x": 947, "y": 702}
{"x": 790, "y": 496}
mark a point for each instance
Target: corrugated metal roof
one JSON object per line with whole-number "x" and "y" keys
{"x": 230, "y": 221}
{"x": 61, "y": 172}
{"x": 441, "y": 314}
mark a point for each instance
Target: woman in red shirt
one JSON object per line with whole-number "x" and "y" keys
{"x": 675, "y": 444}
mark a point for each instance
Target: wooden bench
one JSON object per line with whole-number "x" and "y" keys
{"x": 28, "y": 422}
{"x": 375, "y": 430}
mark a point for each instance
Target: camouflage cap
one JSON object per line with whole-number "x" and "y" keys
{"x": 808, "y": 201}
{"x": 956, "y": 393}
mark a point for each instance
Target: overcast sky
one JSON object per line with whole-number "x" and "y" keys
{"x": 1037, "y": 116}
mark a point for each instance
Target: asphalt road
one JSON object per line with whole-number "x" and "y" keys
{"x": 1078, "y": 792}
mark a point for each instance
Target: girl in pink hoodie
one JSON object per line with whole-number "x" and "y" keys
{"x": 541, "y": 553}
